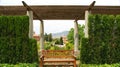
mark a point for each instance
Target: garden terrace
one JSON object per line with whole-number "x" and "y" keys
{"x": 58, "y": 12}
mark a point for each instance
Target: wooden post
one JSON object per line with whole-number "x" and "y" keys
{"x": 30, "y": 15}
{"x": 76, "y": 36}
{"x": 41, "y": 36}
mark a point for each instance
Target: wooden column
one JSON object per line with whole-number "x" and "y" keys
{"x": 86, "y": 23}
{"x": 41, "y": 36}
{"x": 30, "y": 15}
{"x": 76, "y": 36}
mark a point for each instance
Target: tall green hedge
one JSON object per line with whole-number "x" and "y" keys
{"x": 14, "y": 26}
{"x": 15, "y": 45}
{"x": 103, "y": 44}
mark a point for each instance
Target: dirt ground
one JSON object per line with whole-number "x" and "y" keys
{"x": 78, "y": 62}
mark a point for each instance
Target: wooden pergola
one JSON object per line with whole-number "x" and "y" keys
{"x": 59, "y": 12}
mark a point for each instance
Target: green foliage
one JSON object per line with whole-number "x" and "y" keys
{"x": 33, "y": 51}
{"x": 69, "y": 46}
{"x": 71, "y": 34}
{"x": 10, "y": 26}
{"x": 57, "y": 41}
{"x": 47, "y": 45}
{"x": 100, "y": 65}
{"x": 61, "y": 41}
{"x": 56, "y": 48}
{"x": 103, "y": 44}
{"x": 48, "y": 37}
{"x": 50, "y": 46}
{"x": 15, "y": 45}
{"x": 19, "y": 65}
{"x": 85, "y": 51}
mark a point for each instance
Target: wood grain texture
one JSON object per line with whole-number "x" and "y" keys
{"x": 67, "y": 12}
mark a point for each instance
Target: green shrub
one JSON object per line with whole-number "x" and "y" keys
{"x": 100, "y": 65}
{"x": 69, "y": 46}
{"x": 15, "y": 45}
{"x": 103, "y": 44}
{"x": 14, "y": 26}
{"x": 34, "y": 50}
{"x": 19, "y": 65}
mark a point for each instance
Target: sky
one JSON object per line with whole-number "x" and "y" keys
{"x": 55, "y": 26}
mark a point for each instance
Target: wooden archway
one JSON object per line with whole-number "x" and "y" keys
{"x": 76, "y": 36}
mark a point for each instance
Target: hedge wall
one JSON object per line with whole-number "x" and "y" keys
{"x": 15, "y": 45}
{"x": 14, "y": 26}
{"x": 103, "y": 44}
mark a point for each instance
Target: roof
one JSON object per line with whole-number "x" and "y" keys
{"x": 59, "y": 12}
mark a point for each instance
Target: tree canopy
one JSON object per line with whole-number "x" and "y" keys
{"x": 48, "y": 37}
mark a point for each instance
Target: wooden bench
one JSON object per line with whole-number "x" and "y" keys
{"x": 58, "y": 57}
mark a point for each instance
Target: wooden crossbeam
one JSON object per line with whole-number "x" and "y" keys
{"x": 91, "y": 5}
{"x": 89, "y": 8}
{"x": 30, "y": 9}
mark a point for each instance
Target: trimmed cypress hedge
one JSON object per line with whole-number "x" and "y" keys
{"x": 15, "y": 45}
{"x": 14, "y": 26}
{"x": 103, "y": 44}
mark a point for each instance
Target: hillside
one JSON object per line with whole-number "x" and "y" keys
{"x": 58, "y": 35}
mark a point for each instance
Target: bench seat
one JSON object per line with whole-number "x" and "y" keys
{"x": 58, "y": 57}
{"x": 62, "y": 60}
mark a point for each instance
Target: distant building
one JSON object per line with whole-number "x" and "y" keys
{"x": 36, "y": 37}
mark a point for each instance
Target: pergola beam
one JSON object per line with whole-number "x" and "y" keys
{"x": 89, "y": 9}
{"x": 91, "y": 6}
{"x": 59, "y": 12}
{"x": 30, "y": 9}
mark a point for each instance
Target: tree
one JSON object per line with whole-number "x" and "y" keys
{"x": 71, "y": 34}
{"x": 46, "y": 37}
{"x": 50, "y": 37}
{"x": 69, "y": 46}
{"x": 61, "y": 41}
{"x": 57, "y": 41}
